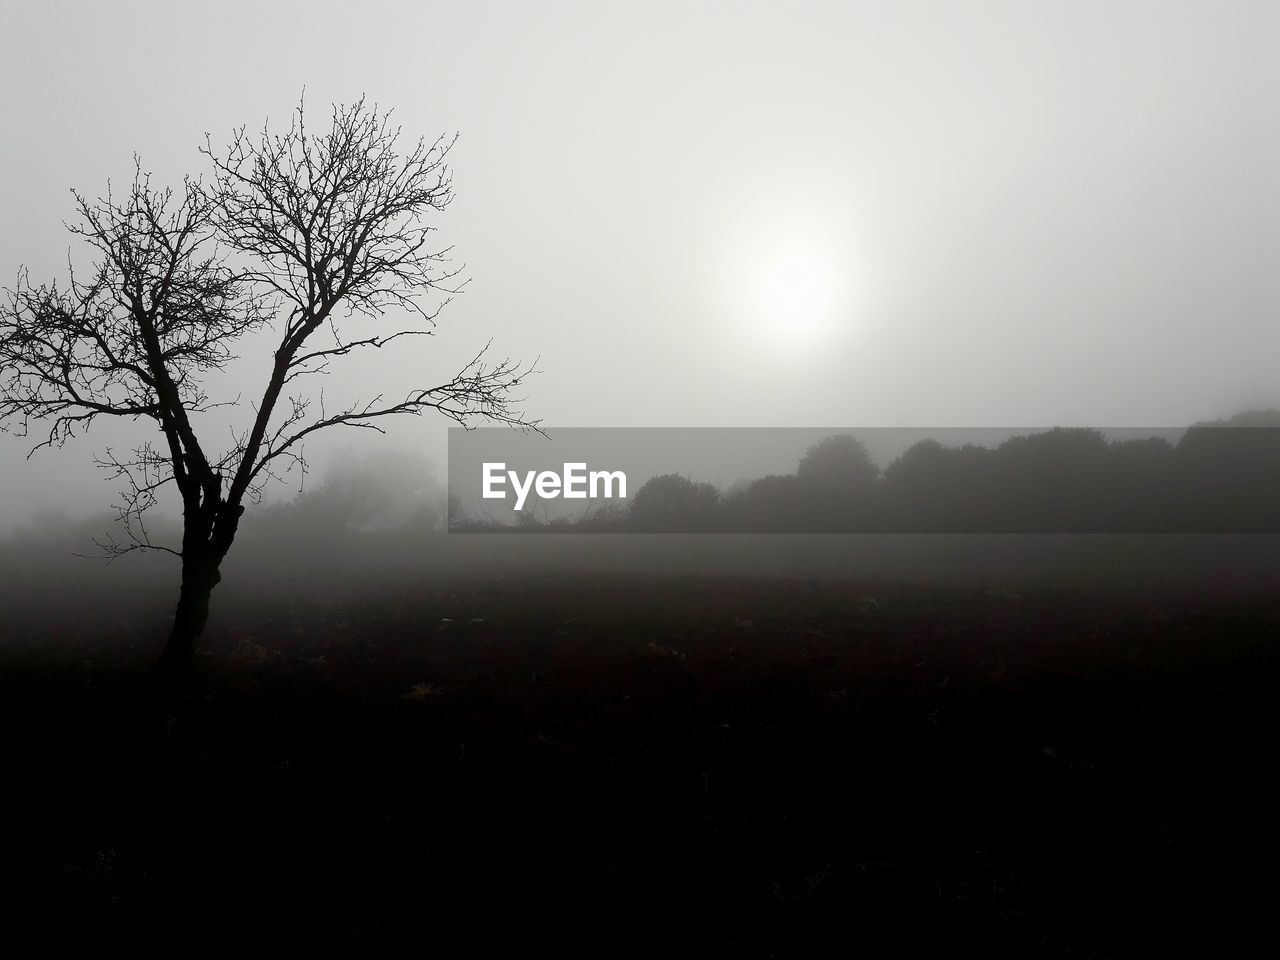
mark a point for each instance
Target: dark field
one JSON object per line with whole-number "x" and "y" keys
{"x": 630, "y": 764}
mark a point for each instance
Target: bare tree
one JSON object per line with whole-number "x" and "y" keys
{"x": 298, "y": 236}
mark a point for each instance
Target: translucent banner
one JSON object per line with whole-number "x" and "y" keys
{"x": 1204, "y": 479}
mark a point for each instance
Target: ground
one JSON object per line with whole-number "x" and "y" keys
{"x": 636, "y": 765}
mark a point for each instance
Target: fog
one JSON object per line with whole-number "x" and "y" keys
{"x": 731, "y": 214}
{"x": 936, "y": 341}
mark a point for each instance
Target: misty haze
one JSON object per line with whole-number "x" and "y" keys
{"x": 708, "y": 479}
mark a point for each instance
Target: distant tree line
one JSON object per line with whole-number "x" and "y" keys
{"x": 1217, "y": 478}
{"x": 1221, "y": 477}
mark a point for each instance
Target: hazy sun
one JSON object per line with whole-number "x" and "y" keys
{"x": 796, "y": 291}
{"x": 787, "y": 286}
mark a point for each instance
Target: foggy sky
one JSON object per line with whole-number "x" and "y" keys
{"x": 1025, "y": 213}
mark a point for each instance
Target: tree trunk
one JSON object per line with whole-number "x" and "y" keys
{"x": 199, "y": 576}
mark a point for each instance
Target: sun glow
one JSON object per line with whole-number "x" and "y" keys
{"x": 796, "y": 294}
{"x": 792, "y": 285}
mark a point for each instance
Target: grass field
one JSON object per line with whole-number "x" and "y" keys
{"x": 644, "y": 765}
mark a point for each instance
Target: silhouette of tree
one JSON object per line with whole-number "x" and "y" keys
{"x": 839, "y": 462}
{"x": 1229, "y": 473}
{"x": 773, "y": 503}
{"x": 1144, "y": 486}
{"x": 923, "y": 488}
{"x": 1055, "y": 480}
{"x": 307, "y": 237}
{"x": 672, "y": 502}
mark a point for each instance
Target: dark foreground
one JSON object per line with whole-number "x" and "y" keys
{"x": 647, "y": 766}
